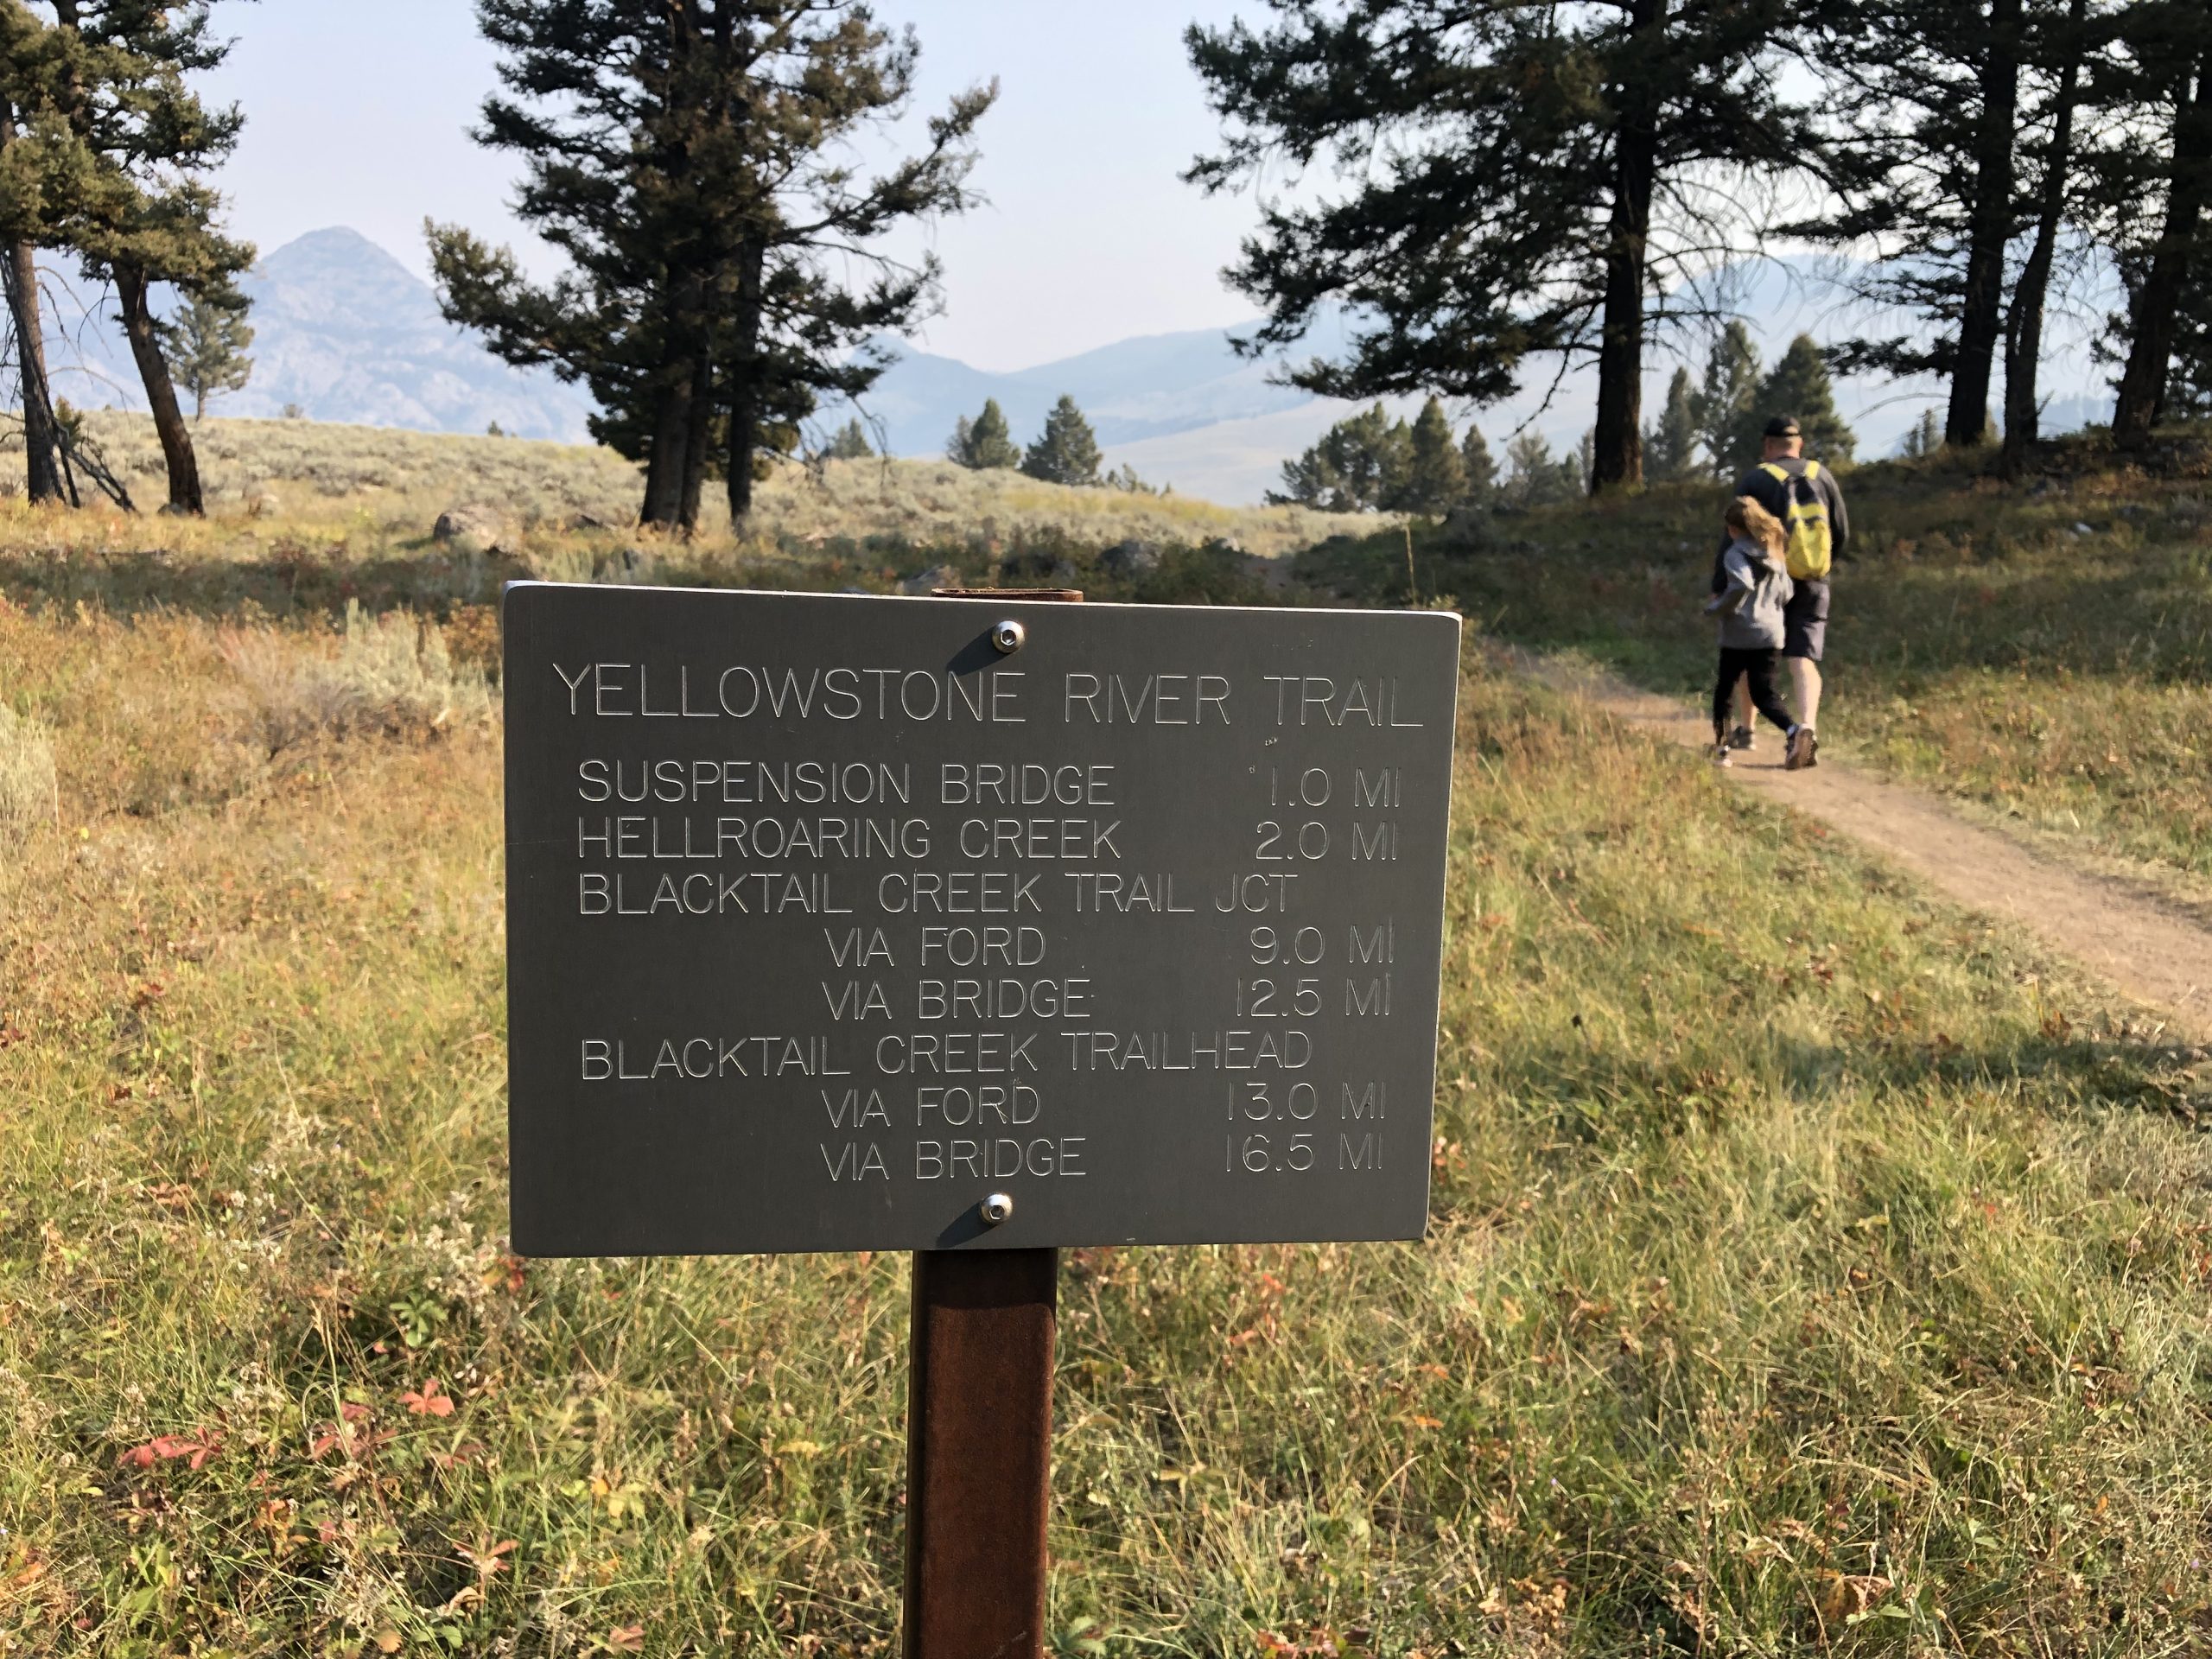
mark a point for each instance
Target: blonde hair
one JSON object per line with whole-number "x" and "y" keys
{"x": 1747, "y": 518}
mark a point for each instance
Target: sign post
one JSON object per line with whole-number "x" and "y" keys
{"x": 975, "y": 926}
{"x": 979, "y": 1432}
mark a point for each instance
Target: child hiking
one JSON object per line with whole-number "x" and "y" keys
{"x": 1755, "y": 586}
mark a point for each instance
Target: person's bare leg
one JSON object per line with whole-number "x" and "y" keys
{"x": 1805, "y": 690}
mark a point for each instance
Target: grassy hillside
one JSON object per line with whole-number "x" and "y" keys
{"x": 2041, "y": 651}
{"x": 384, "y": 487}
{"x": 1812, "y": 1268}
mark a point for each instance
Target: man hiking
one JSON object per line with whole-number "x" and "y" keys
{"x": 1804, "y": 496}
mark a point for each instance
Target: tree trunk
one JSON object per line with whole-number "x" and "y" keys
{"x": 2023, "y": 350}
{"x": 161, "y": 395}
{"x": 746, "y": 369}
{"x": 2151, "y": 316}
{"x": 42, "y": 477}
{"x": 1989, "y": 228}
{"x": 698, "y": 437}
{"x": 42, "y": 480}
{"x": 668, "y": 465}
{"x": 1616, "y": 441}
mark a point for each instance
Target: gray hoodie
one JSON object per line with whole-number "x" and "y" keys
{"x": 1752, "y": 594}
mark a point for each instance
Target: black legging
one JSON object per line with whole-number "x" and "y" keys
{"x": 1758, "y": 667}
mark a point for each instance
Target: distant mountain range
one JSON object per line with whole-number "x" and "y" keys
{"x": 346, "y": 332}
{"x": 343, "y": 331}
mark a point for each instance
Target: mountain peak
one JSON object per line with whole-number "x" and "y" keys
{"x": 335, "y": 247}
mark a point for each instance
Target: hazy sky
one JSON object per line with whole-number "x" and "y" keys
{"x": 356, "y": 115}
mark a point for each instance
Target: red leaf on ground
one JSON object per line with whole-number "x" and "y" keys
{"x": 429, "y": 1401}
{"x": 165, "y": 1447}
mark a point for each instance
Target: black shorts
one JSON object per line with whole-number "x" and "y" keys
{"x": 1805, "y": 620}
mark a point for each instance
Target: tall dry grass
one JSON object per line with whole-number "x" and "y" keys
{"x": 1812, "y": 1268}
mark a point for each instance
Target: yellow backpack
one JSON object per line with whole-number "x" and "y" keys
{"x": 1809, "y": 546}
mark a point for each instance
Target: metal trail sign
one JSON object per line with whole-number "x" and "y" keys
{"x": 833, "y": 919}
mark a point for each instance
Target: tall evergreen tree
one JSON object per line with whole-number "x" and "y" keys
{"x": 116, "y": 144}
{"x": 1536, "y": 478}
{"x": 984, "y": 443}
{"x": 1923, "y": 438}
{"x": 1670, "y": 448}
{"x": 205, "y": 341}
{"x": 1523, "y": 177}
{"x": 1724, "y": 399}
{"x": 1479, "y": 467}
{"x": 1800, "y": 385}
{"x": 693, "y": 163}
{"x": 2060, "y": 45}
{"x": 2159, "y": 176}
{"x": 21, "y": 220}
{"x": 1925, "y": 97}
{"x": 851, "y": 443}
{"x": 1359, "y": 464}
{"x": 1065, "y": 452}
{"x": 1436, "y": 479}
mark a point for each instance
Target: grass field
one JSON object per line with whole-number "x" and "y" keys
{"x": 1813, "y": 1269}
{"x": 2042, "y": 651}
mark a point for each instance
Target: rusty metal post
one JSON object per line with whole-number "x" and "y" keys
{"x": 979, "y": 1439}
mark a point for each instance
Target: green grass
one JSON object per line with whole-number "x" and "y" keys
{"x": 1813, "y": 1269}
{"x": 2043, "y": 650}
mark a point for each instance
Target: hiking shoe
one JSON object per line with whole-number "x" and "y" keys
{"x": 1721, "y": 757}
{"x": 1804, "y": 750}
{"x": 1742, "y": 737}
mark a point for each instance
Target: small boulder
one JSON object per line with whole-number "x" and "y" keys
{"x": 585, "y": 521}
{"x": 470, "y": 529}
{"x": 1130, "y": 560}
{"x": 263, "y": 503}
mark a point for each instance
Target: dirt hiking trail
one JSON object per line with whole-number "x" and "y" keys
{"x": 2149, "y": 951}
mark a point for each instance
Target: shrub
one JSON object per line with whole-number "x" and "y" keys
{"x": 391, "y": 676}
{"x": 26, "y": 770}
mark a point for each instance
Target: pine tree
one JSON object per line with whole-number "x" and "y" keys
{"x": 1361, "y": 463}
{"x": 1435, "y": 478}
{"x": 1670, "y": 448}
{"x": 205, "y": 341}
{"x": 2062, "y": 45}
{"x": 1479, "y": 468}
{"x": 115, "y": 144}
{"x": 1725, "y": 400}
{"x": 984, "y": 443}
{"x": 694, "y": 164}
{"x": 1923, "y": 438}
{"x": 2159, "y": 179}
{"x": 851, "y": 443}
{"x": 1800, "y": 386}
{"x": 1925, "y": 96}
{"x": 21, "y": 218}
{"x": 1534, "y": 478}
{"x": 1529, "y": 168}
{"x": 1065, "y": 452}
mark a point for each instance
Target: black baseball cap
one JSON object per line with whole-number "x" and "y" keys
{"x": 1783, "y": 426}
